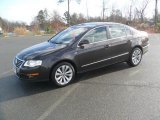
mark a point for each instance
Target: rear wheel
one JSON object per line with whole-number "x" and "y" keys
{"x": 135, "y": 57}
{"x": 63, "y": 74}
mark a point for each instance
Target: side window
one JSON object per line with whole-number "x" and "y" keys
{"x": 117, "y": 31}
{"x": 96, "y": 35}
{"x": 128, "y": 31}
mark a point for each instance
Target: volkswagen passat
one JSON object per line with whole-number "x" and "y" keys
{"x": 80, "y": 48}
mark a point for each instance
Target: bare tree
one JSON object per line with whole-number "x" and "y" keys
{"x": 87, "y": 9}
{"x": 156, "y": 11}
{"x": 68, "y": 12}
{"x": 131, "y": 6}
{"x": 129, "y": 10}
{"x": 141, "y": 10}
{"x": 103, "y": 9}
{"x": 116, "y": 15}
{"x": 56, "y": 22}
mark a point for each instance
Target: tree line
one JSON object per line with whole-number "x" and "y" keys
{"x": 9, "y": 26}
{"x": 135, "y": 15}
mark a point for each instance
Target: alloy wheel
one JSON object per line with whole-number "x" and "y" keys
{"x": 64, "y": 74}
{"x": 136, "y": 56}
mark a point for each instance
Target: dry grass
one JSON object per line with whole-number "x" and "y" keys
{"x": 20, "y": 31}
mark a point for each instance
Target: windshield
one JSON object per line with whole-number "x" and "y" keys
{"x": 68, "y": 35}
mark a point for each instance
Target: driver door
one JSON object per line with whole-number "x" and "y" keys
{"x": 90, "y": 55}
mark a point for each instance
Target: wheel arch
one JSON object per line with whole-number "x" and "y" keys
{"x": 58, "y": 62}
{"x": 137, "y": 46}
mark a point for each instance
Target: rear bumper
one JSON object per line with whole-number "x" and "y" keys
{"x": 145, "y": 48}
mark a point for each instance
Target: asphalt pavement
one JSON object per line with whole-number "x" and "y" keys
{"x": 117, "y": 92}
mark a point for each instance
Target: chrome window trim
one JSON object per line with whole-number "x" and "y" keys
{"x": 105, "y": 40}
{"x": 105, "y": 59}
{"x": 102, "y": 40}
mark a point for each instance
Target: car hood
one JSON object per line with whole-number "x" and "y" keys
{"x": 39, "y": 50}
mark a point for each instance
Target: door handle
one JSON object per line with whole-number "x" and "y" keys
{"x": 107, "y": 46}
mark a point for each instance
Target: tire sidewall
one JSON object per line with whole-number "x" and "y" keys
{"x": 130, "y": 59}
{"x": 54, "y": 71}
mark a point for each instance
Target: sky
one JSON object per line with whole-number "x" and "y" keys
{"x": 26, "y": 10}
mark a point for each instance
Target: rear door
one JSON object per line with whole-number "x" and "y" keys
{"x": 118, "y": 43}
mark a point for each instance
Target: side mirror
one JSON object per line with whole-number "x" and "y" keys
{"x": 83, "y": 42}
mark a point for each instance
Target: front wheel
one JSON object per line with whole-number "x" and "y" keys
{"x": 135, "y": 57}
{"x": 63, "y": 74}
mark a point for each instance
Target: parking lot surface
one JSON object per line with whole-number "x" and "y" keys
{"x": 117, "y": 92}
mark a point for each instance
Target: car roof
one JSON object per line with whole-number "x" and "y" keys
{"x": 95, "y": 24}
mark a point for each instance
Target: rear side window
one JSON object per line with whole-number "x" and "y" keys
{"x": 96, "y": 35}
{"x": 117, "y": 31}
{"x": 134, "y": 31}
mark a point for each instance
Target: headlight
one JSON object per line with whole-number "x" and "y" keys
{"x": 33, "y": 63}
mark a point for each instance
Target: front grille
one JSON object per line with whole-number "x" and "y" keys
{"x": 18, "y": 62}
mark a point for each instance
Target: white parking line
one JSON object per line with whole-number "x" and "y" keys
{"x": 57, "y": 103}
{"x": 4, "y": 73}
{"x": 134, "y": 73}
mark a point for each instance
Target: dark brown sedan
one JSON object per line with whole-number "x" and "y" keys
{"x": 81, "y": 48}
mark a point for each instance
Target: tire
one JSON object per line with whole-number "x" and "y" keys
{"x": 63, "y": 74}
{"x": 135, "y": 57}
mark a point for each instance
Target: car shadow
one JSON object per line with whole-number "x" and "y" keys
{"x": 101, "y": 71}
{"x": 12, "y": 88}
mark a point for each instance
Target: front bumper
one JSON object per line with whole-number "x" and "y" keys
{"x": 34, "y": 74}
{"x": 145, "y": 48}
